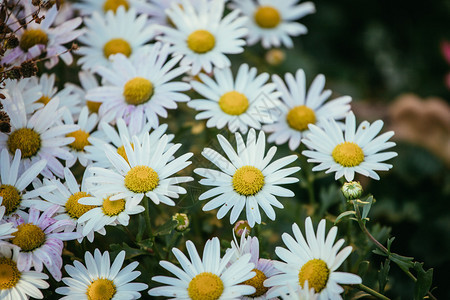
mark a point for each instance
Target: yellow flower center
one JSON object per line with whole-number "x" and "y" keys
{"x": 74, "y": 209}
{"x": 201, "y": 41}
{"x": 258, "y": 283}
{"x": 316, "y": 272}
{"x": 93, "y": 106}
{"x": 81, "y": 139}
{"x": 44, "y": 99}
{"x": 9, "y": 274}
{"x": 32, "y": 37}
{"x": 248, "y": 180}
{"x": 11, "y": 198}
{"x": 137, "y": 90}
{"x": 121, "y": 152}
{"x": 300, "y": 116}
{"x": 115, "y": 46}
{"x": 114, "y": 5}
{"x": 101, "y": 289}
{"x": 233, "y": 103}
{"x": 348, "y": 154}
{"x": 205, "y": 286}
{"x": 25, "y": 139}
{"x": 267, "y": 17}
{"x": 141, "y": 179}
{"x": 113, "y": 208}
{"x": 28, "y": 237}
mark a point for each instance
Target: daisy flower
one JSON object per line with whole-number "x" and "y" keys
{"x": 36, "y": 38}
{"x": 300, "y": 293}
{"x": 315, "y": 260}
{"x": 38, "y": 137}
{"x": 202, "y": 36}
{"x": 247, "y": 179}
{"x": 156, "y": 10}
{"x": 19, "y": 284}
{"x": 300, "y": 108}
{"x": 111, "y": 135}
{"x": 273, "y": 22}
{"x": 88, "y": 81}
{"x": 140, "y": 88}
{"x": 24, "y": 88}
{"x": 88, "y": 7}
{"x": 40, "y": 240}
{"x": 147, "y": 173}
{"x": 87, "y": 123}
{"x": 263, "y": 267}
{"x": 123, "y": 32}
{"x": 244, "y": 102}
{"x": 14, "y": 181}
{"x": 206, "y": 278}
{"x": 349, "y": 152}
{"x": 101, "y": 280}
{"x": 6, "y": 228}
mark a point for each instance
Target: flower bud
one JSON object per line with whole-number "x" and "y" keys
{"x": 240, "y": 226}
{"x": 275, "y": 57}
{"x": 182, "y": 221}
{"x": 352, "y": 190}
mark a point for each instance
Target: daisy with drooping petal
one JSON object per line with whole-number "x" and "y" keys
{"x": 123, "y": 32}
{"x": 273, "y": 22}
{"x": 38, "y": 137}
{"x": 141, "y": 88}
{"x": 246, "y": 179}
{"x": 244, "y": 102}
{"x": 314, "y": 259}
{"x": 207, "y": 278}
{"x": 349, "y": 152}
{"x": 202, "y": 35}
{"x": 301, "y": 108}
{"x": 17, "y": 284}
{"x": 40, "y": 240}
{"x": 146, "y": 172}
{"x": 98, "y": 279}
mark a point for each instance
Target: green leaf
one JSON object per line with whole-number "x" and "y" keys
{"x": 383, "y": 274}
{"x": 129, "y": 252}
{"x": 366, "y": 207}
{"x": 404, "y": 262}
{"x": 363, "y": 267}
{"x": 146, "y": 244}
{"x": 345, "y": 214}
{"x": 424, "y": 281}
{"x": 166, "y": 228}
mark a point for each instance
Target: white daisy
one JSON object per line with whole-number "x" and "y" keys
{"x": 349, "y": 152}
{"x": 40, "y": 240}
{"x": 36, "y": 38}
{"x": 246, "y": 179}
{"x": 315, "y": 260}
{"x": 14, "y": 181}
{"x": 123, "y": 32}
{"x": 17, "y": 284}
{"x": 6, "y": 228}
{"x": 156, "y": 10}
{"x": 147, "y": 173}
{"x": 206, "y": 278}
{"x": 38, "y": 137}
{"x": 244, "y": 102}
{"x": 141, "y": 88}
{"x": 87, "y": 123}
{"x": 300, "y": 293}
{"x": 101, "y": 280}
{"x": 202, "y": 36}
{"x": 29, "y": 92}
{"x": 301, "y": 108}
{"x": 88, "y": 81}
{"x": 273, "y": 22}
{"x": 88, "y": 7}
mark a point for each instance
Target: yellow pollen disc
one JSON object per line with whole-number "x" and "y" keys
{"x": 205, "y": 286}
{"x": 81, "y": 139}
{"x": 44, "y": 99}
{"x": 25, "y": 139}
{"x": 114, "y": 5}
{"x": 267, "y": 17}
{"x": 113, "y": 208}
{"x": 93, "y": 106}
{"x": 316, "y": 272}
{"x": 258, "y": 283}
{"x": 32, "y": 37}
{"x": 201, "y": 41}
{"x": 348, "y": 154}
{"x": 233, "y": 103}
{"x": 28, "y": 237}
{"x": 101, "y": 289}
{"x": 9, "y": 274}
{"x": 300, "y": 116}
{"x": 141, "y": 179}
{"x": 74, "y": 209}
{"x": 137, "y": 90}
{"x": 115, "y": 46}
{"x": 11, "y": 198}
{"x": 248, "y": 180}
{"x": 121, "y": 152}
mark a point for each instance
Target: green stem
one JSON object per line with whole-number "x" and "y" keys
{"x": 368, "y": 290}
{"x": 148, "y": 223}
